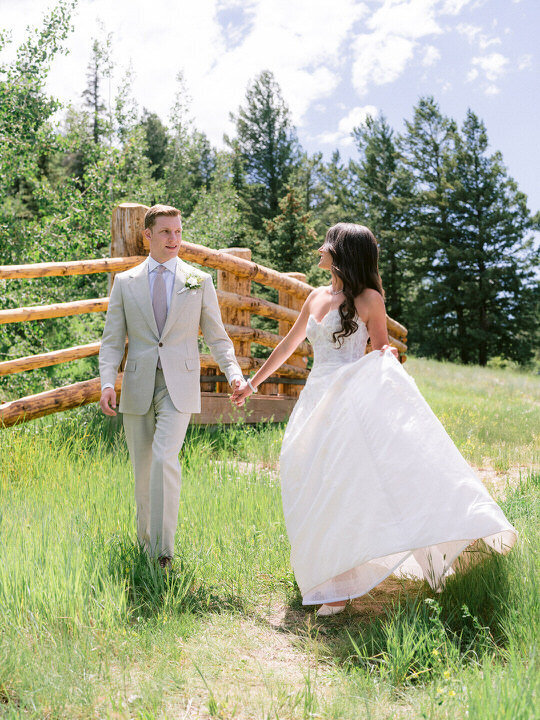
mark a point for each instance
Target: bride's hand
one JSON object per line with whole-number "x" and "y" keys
{"x": 240, "y": 394}
{"x": 394, "y": 350}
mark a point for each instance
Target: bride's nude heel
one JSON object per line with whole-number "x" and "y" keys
{"x": 327, "y": 610}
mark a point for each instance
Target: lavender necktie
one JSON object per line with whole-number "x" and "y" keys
{"x": 159, "y": 301}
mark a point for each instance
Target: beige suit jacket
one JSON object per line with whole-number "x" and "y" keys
{"x": 130, "y": 313}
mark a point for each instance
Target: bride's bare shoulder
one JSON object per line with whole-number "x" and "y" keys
{"x": 317, "y": 292}
{"x": 368, "y": 303}
{"x": 369, "y": 295}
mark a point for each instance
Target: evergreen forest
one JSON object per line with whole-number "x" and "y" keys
{"x": 457, "y": 247}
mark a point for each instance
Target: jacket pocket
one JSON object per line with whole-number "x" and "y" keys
{"x": 192, "y": 363}
{"x": 131, "y": 365}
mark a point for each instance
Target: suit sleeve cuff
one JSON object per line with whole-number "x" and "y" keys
{"x": 235, "y": 377}
{"x": 107, "y": 385}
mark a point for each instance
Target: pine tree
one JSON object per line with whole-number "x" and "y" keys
{"x": 216, "y": 220}
{"x": 340, "y": 203}
{"x": 266, "y": 147}
{"x": 383, "y": 188}
{"x": 290, "y": 238}
{"x": 157, "y": 142}
{"x": 435, "y": 314}
{"x": 497, "y": 259}
{"x": 191, "y": 159}
{"x": 99, "y": 69}
{"x": 126, "y": 110}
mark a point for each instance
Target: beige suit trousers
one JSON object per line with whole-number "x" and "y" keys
{"x": 154, "y": 441}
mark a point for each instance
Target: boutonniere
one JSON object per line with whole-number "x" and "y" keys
{"x": 192, "y": 282}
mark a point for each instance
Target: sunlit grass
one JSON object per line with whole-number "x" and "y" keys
{"x": 90, "y": 628}
{"x": 490, "y": 414}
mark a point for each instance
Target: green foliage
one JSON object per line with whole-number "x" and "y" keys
{"x": 57, "y": 202}
{"x": 157, "y": 142}
{"x": 497, "y": 260}
{"x": 428, "y": 147}
{"x": 216, "y": 221}
{"x": 99, "y": 70}
{"x": 265, "y": 148}
{"x": 190, "y": 158}
{"x": 384, "y": 189}
{"x": 473, "y": 293}
{"x": 457, "y": 259}
{"x": 290, "y": 239}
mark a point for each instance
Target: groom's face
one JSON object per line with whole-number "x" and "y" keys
{"x": 165, "y": 238}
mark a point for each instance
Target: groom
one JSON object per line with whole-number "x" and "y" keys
{"x": 159, "y": 305}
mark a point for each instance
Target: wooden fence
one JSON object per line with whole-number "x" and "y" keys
{"x": 235, "y": 275}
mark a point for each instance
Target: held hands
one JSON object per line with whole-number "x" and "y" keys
{"x": 107, "y": 401}
{"x": 240, "y": 393}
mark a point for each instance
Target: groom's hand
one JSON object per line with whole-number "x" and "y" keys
{"x": 240, "y": 393}
{"x": 107, "y": 401}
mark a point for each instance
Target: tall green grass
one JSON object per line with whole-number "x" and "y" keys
{"x": 90, "y": 628}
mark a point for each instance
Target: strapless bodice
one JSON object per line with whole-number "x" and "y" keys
{"x": 328, "y": 355}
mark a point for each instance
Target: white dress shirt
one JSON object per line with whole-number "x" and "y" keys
{"x": 168, "y": 276}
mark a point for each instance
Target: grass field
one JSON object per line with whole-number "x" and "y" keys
{"x": 89, "y": 629}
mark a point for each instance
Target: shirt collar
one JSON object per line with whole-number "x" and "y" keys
{"x": 170, "y": 264}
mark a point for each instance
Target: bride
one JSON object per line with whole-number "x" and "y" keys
{"x": 371, "y": 482}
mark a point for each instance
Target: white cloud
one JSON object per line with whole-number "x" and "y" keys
{"x": 301, "y": 42}
{"x": 379, "y": 59}
{"x": 470, "y": 31}
{"x": 409, "y": 18}
{"x": 525, "y": 62}
{"x": 381, "y": 55}
{"x": 431, "y": 55}
{"x": 220, "y": 45}
{"x": 454, "y": 7}
{"x": 493, "y": 66}
{"x": 357, "y": 116}
{"x": 474, "y": 34}
{"x": 489, "y": 68}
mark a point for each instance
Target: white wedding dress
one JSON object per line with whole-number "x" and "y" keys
{"x": 371, "y": 482}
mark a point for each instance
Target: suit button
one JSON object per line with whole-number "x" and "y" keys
{"x": 160, "y": 344}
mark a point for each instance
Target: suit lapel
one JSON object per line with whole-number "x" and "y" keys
{"x": 140, "y": 290}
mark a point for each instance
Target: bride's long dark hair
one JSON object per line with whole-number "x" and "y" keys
{"x": 355, "y": 256}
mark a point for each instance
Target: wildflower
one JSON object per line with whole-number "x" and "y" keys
{"x": 434, "y": 652}
{"x": 446, "y": 673}
{"x": 452, "y": 693}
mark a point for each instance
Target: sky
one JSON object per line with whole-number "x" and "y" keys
{"x": 335, "y": 60}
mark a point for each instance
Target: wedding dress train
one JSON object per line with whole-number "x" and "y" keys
{"x": 371, "y": 482}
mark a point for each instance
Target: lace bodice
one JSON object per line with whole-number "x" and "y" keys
{"x": 327, "y": 354}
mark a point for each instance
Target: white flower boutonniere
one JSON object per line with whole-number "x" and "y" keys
{"x": 192, "y": 282}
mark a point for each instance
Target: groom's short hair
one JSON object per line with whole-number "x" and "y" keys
{"x": 155, "y": 211}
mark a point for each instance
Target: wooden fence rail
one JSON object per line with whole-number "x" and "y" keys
{"x": 236, "y": 272}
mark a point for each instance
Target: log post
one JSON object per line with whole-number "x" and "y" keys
{"x": 127, "y": 228}
{"x": 127, "y": 238}
{"x": 228, "y": 282}
{"x": 291, "y": 301}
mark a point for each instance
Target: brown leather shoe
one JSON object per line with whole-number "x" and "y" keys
{"x": 165, "y": 563}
